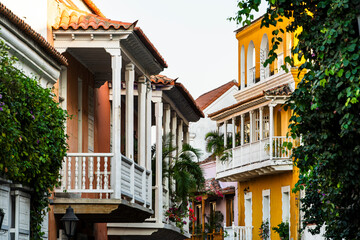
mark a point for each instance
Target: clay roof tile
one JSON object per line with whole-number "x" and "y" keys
{"x": 209, "y": 97}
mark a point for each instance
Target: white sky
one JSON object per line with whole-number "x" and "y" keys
{"x": 193, "y": 36}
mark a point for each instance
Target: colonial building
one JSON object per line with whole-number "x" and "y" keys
{"x": 38, "y": 59}
{"x": 107, "y": 79}
{"x": 209, "y": 102}
{"x": 259, "y": 162}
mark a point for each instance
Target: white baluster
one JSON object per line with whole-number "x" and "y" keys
{"x": 105, "y": 173}
{"x": 91, "y": 172}
{"x": 83, "y": 172}
{"x": 76, "y": 172}
{"x": 69, "y": 173}
{"x": 98, "y": 173}
{"x": 63, "y": 175}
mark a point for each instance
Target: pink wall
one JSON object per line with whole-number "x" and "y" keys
{"x": 209, "y": 170}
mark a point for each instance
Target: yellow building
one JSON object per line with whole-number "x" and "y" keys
{"x": 258, "y": 125}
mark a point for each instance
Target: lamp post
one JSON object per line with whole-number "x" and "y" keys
{"x": 2, "y": 215}
{"x": 70, "y": 221}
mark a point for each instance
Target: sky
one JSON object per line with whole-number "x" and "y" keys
{"x": 193, "y": 36}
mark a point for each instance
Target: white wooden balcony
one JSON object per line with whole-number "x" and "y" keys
{"x": 86, "y": 180}
{"x": 239, "y": 232}
{"x": 256, "y": 158}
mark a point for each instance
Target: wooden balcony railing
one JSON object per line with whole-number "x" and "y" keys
{"x": 89, "y": 175}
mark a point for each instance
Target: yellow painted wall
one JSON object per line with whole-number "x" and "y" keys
{"x": 274, "y": 183}
{"x": 255, "y": 34}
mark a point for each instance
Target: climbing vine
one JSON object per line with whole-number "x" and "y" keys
{"x": 32, "y": 136}
{"x": 325, "y": 105}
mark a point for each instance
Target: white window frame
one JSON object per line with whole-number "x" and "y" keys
{"x": 247, "y": 197}
{"x": 266, "y": 193}
{"x": 286, "y": 191}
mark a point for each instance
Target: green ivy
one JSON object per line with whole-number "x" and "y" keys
{"x": 283, "y": 229}
{"x": 325, "y": 105}
{"x": 32, "y": 136}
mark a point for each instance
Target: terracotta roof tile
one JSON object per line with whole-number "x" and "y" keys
{"x": 74, "y": 18}
{"x": 282, "y": 90}
{"x": 207, "y": 98}
{"x": 93, "y": 8}
{"x": 162, "y": 79}
{"x": 31, "y": 33}
{"x": 213, "y": 185}
{"x": 211, "y": 158}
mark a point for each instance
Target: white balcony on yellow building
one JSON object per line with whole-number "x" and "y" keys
{"x": 256, "y": 130}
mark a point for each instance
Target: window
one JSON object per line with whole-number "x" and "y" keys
{"x": 247, "y": 129}
{"x": 256, "y": 125}
{"x": 266, "y": 123}
{"x": 266, "y": 205}
{"x": 264, "y": 52}
{"x": 229, "y": 211}
{"x": 285, "y": 191}
{"x": 248, "y": 209}
{"x": 251, "y": 64}
{"x": 212, "y": 211}
{"x": 198, "y": 214}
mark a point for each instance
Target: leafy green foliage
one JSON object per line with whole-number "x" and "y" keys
{"x": 264, "y": 230}
{"x": 182, "y": 167}
{"x": 215, "y": 145}
{"x": 283, "y": 229}
{"x": 214, "y": 222}
{"x": 32, "y": 137}
{"x": 326, "y": 107}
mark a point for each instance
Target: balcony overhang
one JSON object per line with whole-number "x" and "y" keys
{"x": 102, "y": 210}
{"x": 144, "y": 231}
{"x": 255, "y": 169}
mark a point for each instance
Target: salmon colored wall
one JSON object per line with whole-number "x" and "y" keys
{"x": 100, "y": 231}
{"x": 274, "y": 183}
{"x": 102, "y": 119}
{"x": 75, "y": 71}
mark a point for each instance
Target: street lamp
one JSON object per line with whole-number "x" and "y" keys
{"x": 70, "y": 221}
{"x": 2, "y": 214}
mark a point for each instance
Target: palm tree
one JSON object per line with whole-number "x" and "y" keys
{"x": 215, "y": 145}
{"x": 182, "y": 168}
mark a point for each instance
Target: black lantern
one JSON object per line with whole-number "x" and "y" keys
{"x": 2, "y": 215}
{"x": 70, "y": 221}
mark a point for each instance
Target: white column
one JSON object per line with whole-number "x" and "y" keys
{"x": 148, "y": 138}
{"x": 116, "y": 122}
{"x": 180, "y": 135}
{"x": 129, "y": 122}
{"x": 158, "y": 184}
{"x": 186, "y": 134}
{"x": 233, "y": 133}
{"x": 173, "y": 128}
{"x": 271, "y": 130}
{"x": 261, "y": 122}
{"x": 142, "y": 121}
{"x": 63, "y": 90}
{"x": 167, "y": 118}
{"x": 242, "y": 129}
{"x": 148, "y": 126}
{"x": 251, "y": 125}
{"x": 225, "y": 134}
